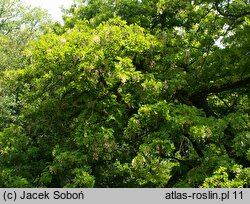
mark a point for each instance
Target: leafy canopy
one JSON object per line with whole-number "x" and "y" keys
{"x": 133, "y": 94}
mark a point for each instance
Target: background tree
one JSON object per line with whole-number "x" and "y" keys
{"x": 18, "y": 26}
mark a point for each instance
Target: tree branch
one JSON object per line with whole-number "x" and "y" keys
{"x": 243, "y": 83}
{"x": 229, "y": 15}
{"x": 179, "y": 172}
{"x": 199, "y": 98}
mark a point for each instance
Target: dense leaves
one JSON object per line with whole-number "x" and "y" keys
{"x": 132, "y": 94}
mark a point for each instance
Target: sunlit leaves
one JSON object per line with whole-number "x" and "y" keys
{"x": 221, "y": 179}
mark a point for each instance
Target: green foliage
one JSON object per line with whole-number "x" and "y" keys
{"x": 9, "y": 178}
{"x": 130, "y": 94}
{"x": 221, "y": 178}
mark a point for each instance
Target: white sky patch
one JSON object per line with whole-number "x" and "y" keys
{"x": 53, "y": 6}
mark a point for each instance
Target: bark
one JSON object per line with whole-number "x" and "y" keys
{"x": 199, "y": 98}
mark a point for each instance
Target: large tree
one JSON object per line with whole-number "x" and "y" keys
{"x": 19, "y": 25}
{"x": 134, "y": 94}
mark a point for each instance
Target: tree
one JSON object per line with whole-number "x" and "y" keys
{"x": 136, "y": 99}
{"x": 18, "y": 25}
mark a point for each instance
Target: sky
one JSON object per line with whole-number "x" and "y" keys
{"x": 53, "y": 6}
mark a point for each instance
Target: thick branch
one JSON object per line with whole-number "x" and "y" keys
{"x": 199, "y": 101}
{"x": 181, "y": 171}
{"x": 244, "y": 83}
{"x": 229, "y": 15}
{"x": 199, "y": 98}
